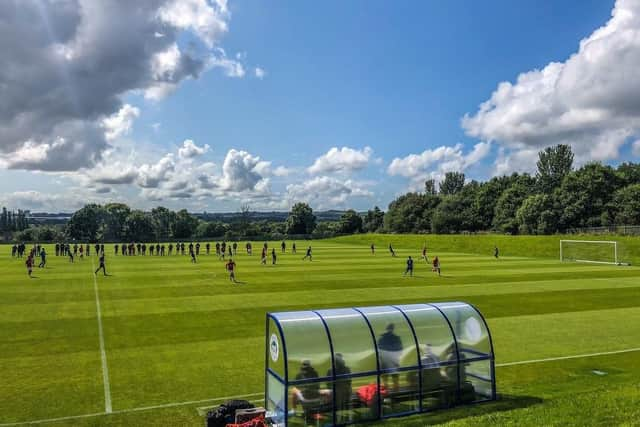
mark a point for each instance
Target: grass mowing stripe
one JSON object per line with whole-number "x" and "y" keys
{"x": 576, "y": 356}
{"x": 193, "y": 402}
{"x": 126, "y": 411}
{"x": 103, "y": 354}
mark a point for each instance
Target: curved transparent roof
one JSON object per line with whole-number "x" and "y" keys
{"x": 422, "y": 354}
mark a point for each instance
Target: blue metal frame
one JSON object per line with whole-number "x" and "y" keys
{"x": 285, "y": 363}
{"x": 478, "y": 356}
{"x": 493, "y": 356}
{"x": 415, "y": 340}
{"x": 455, "y": 341}
{"x": 375, "y": 346}
{"x": 333, "y": 369}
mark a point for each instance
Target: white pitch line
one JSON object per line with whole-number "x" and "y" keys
{"x": 103, "y": 353}
{"x": 126, "y": 411}
{"x": 577, "y": 356}
{"x": 193, "y": 402}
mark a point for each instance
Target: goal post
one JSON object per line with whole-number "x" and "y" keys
{"x": 593, "y": 251}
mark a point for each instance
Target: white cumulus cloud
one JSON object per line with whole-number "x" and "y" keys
{"x": 121, "y": 122}
{"x": 590, "y": 101}
{"x": 326, "y": 192}
{"x": 434, "y": 163}
{"x": 343, "y": 159}
{"x": 190, "y": 150}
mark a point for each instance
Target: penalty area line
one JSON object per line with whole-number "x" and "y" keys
{"x": 103, "y": 353}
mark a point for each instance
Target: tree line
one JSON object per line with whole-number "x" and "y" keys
{"x": 558, "y": 198}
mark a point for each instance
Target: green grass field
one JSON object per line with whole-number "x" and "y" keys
{"x": 179, "y": 336}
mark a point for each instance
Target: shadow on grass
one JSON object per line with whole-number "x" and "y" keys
{"x": 503, "y": 404}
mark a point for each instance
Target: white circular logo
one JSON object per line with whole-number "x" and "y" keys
{"x": 274, "y": 347}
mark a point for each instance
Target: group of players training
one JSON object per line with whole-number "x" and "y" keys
{"x": 222, "y": 250}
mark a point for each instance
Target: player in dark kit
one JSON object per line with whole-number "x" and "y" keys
{"x": 101, "y": 266}
{"x": 208, "y": 247}
{"x": 495, "y": 252}
{"x": 43, "y": 258}
{"x": 393, "y": 253}
{"x": 373, "y": 249}
{"x": 308, "y": 254}
{"x": 193, "y": 255}
{"x": 283, "y": 246}
{"x": 409, "y": 267}
{"x": 273, "y": 256}
{"x": 293, "y": 248}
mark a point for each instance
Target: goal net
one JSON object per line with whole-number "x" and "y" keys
{"x": 595, "y": 251}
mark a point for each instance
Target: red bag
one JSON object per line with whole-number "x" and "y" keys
{"x": 368, "y": 393}
{"x": 256, "y": 422}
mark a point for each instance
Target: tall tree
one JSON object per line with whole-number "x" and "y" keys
{"x": 301, "y": 219}
{"x": 452, "y": 183}
{"x": 430, "y": 187}
{"x": 117, "y": 214}
{"x": 138, "y": 227}
{"x": 185, "y": 225}
{"x": 554, "y": 163}
{"x": 373, "y": 220}
{"x": 85, "y": 223}
{"x": 350, "y": 222}
{"x": 163, "y": 222}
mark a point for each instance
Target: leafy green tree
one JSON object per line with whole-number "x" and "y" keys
{"x": 138, "y": 227}
{"x": 585, "y": 194}
{"x": 163, "y": 222}
{"x": 185, "y": 225}
{"x": 554, "y": 163}
{"x": 373, "y": 220}
{"x": 452, "y": 183}
{"x": 626, "y": 205}
{"x": 506, "y": 207}
{"x": 628, "y": 173}
{"x": 430, "y": 187}
{"x": 350, "y": 222}
{"x": 457, "y": 212}
{"x": 116, "y": 215}
{"x": 301, "y": 219}
{"x": 85, "y": 223}
{"x": 536, "y": 215}
{"x": 211, "y": 229}
{"x": 487, "y": 196}
{"x": 410, "y": 213}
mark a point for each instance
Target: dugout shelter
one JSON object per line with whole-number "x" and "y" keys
{"x": 349, "y": 365}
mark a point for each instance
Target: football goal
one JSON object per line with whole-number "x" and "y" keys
{"x": 594, "y": 251}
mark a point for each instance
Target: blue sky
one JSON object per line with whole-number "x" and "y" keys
{"x": 389, "y": 82}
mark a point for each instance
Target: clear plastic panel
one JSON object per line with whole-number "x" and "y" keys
{"x": 470, "y": 329}
{"x": 403, "y": 399}
{"x": 275, "y": 398}
{"x": 356, "y": 399}
{"x": 275, "y": 350}
{"x": 394, "y": 339}
{"x": 476, "y": 381}
{"x": 437, "y": 355}
{"x": 308, "y": 350}
{"x": 353, "y": 345}
{"x": 310, "y": 404}
{"x": 435, "y": 340}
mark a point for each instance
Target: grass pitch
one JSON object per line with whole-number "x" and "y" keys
{"x": 179, "y": 336}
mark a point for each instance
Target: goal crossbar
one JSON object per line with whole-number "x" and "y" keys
{"x": 595, "y": 242}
